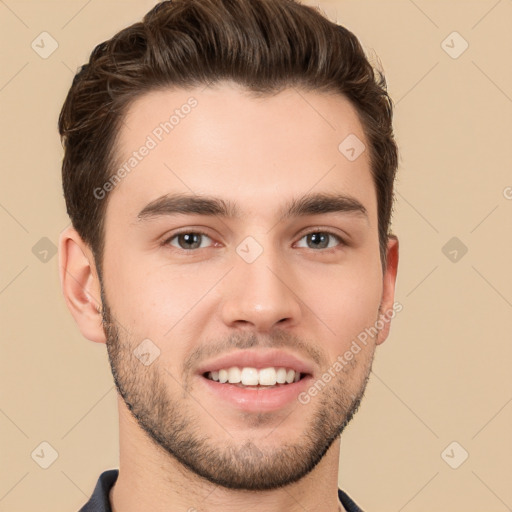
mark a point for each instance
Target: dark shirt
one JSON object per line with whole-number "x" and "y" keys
{"x": 99, "y": 501}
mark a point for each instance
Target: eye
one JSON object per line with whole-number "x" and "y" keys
{"x": 188, "y": 240}
{"x": 320, "y": 239}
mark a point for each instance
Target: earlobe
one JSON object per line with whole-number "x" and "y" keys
{"x": 80, "y": 284}
{"x": 388, "y": 291}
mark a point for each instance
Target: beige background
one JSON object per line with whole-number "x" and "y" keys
{"x": 444, "y": 373}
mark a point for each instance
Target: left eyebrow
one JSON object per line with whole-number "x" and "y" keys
{"x": 317, "y": 204}
{"x": 312, "y": 204}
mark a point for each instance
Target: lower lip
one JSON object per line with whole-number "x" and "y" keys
{"x": 261, "y": 399}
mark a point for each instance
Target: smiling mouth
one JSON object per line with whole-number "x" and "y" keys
{"x": 253, "y": 378}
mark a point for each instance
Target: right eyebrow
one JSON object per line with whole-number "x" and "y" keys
{"x": 172, "y": 204}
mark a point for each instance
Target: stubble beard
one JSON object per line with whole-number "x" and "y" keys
{"x": 169, "y": 422}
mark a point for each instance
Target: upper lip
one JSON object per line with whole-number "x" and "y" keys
{"x": 257, "y": 359}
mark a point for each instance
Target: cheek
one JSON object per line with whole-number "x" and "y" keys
{"x": 150, "y": 299}
{"x": 343, "y": 303}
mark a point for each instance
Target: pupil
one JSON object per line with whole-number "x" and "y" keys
{"x": 189, "y": 237}
{"x": 319, "y": 237}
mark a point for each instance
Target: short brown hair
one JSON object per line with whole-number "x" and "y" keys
{"x": 264, "y": 45}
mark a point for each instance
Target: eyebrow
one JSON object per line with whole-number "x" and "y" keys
{"x": 311, "y": 204}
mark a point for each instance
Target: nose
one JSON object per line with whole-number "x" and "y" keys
{"x": 261, "y": 294}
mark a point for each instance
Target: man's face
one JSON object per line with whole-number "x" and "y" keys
{"x": 257, "y": 282}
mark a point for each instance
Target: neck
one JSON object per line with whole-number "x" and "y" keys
{"x": 152, "y": 480}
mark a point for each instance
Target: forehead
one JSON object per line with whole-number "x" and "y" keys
{"x": 255, "y": 151}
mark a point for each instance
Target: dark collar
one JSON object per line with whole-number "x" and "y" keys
{"x": 99, "y": 501}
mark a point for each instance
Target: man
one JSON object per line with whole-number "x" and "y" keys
{"x": 228, "y": 170}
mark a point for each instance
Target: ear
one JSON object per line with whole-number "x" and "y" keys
{"x": 80, "y": 284}
{"x": 387, "y": 306}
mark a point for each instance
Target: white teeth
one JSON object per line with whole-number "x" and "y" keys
{"x": 267, "y": 377}
{"x": 249, "y": 376}
{"x": 281, "y": 375}
{"x": 234, "y": 375}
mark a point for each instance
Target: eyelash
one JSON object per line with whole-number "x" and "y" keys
{"x": 167, "y": 241}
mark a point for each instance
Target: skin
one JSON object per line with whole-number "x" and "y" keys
{"x": 181, "y": 448}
